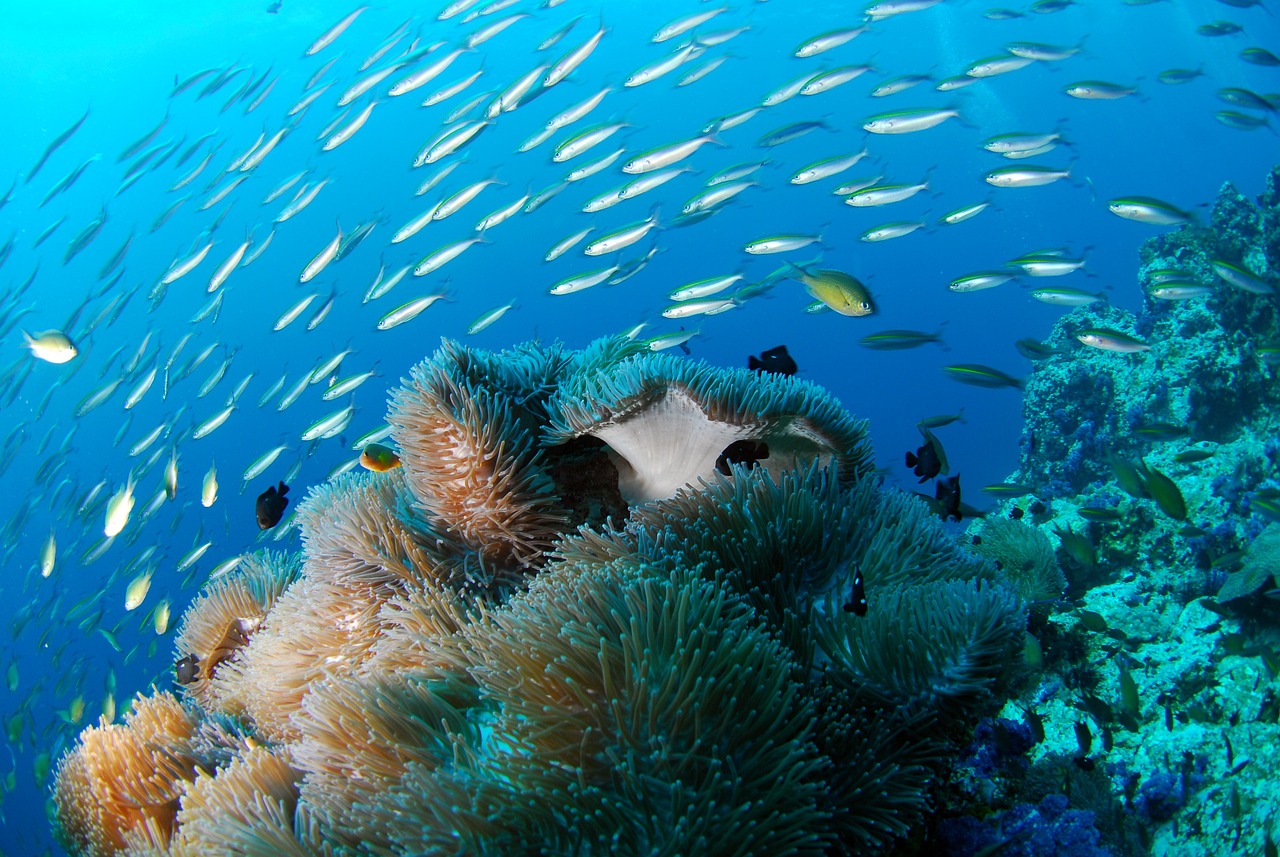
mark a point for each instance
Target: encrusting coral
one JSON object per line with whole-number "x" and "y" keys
{"x": 552, "y": 632}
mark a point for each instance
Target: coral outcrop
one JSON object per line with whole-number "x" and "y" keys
{"x": 1156, "y": 481}
{"x": 556, "y": 631}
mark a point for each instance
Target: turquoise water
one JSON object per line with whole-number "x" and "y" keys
{"x": 121, "y": 66}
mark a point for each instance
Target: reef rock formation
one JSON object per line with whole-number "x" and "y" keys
{"x": 556, "y": 630}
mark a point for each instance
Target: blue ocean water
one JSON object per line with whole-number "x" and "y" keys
{"x": 121, "y": 62}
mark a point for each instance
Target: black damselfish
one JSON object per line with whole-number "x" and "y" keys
{"x": 271, "y": 505}
{"x": 775, "y": 360}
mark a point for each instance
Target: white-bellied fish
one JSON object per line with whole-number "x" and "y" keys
{"x": 884, "y": 194}
{"x": 566, "y": 244}
{"x": 209, "y": 486}
{"x": 586, "y": 140}
{"x": 887, "y": 231}
{"x": 262, "y": 462}
{"x": 321, "y": 260}
{"x": 186, "y": 265}
{"x": 426, "y": 74}
{"x": 705, "y": 288}
{"x": 1025, "y": 176}
{"x": 442, "y": 256}
{"x": 624, "y": 237}
{"x": 1099, "y": 90}
{"x": 960, "y": 215}
{"x": 213, "y": 423}
{"x": 827, "y": 168}
{"x": 408, "y": 311}
{"x": 665, "y": 156}
{"x": 565, "y": 66}
{"x": 1241, "y": 277}
{"x": 579, "y": 282}
{"x": 664, "y": 66}
{"x": 828, "y": 80}
{"x": 594, "y": 167}
{"x": 304, "y": 198}
{"x": 329, "y": 426}
{"x": 712, "y": 306}
{"x": 1062, "y": 296}
{"x": 715, "y": 196}
{"x": 348, "y": 131}
{"x": 1148, "y": 209}
{"x": 328, "y": 36}
{"x": 346, "y": 385}
{"x": 980, "y": 281}
{"x": 781, "y": 244}
{"x": 228, "y": 265}
{"x": 48, "y": 555}
{"x": 1107, "y": 339}
{"x": 386, "y": 284}
{"x": 291, "y": 314}
{"x": 488, "y": 318}
{"x": 908, "y": 121}
{"x": 828, "y": 41}
{"x": 452, "y": 204}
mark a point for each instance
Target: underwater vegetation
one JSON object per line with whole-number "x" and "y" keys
{"x": 602, "y": 607}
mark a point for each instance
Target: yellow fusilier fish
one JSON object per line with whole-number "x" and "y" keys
{"x": 209, "y": 490}
{"x": 171, "y": 476}
{"x": 52, "y": 346}
{"x": 48, "y": 554}
{"x": 162, "y": 617}
{"x": 838, "y": 290}
{"x": 378, "y": 458}
{"x": 118, "y": 509}
{"x": 137, "y": 590}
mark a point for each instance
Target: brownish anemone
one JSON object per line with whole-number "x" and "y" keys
{"x": 220, "y": 622}
{"x": 467, "y": 430}
{"x": 121, "y": 783}
{"x": 248, "y": 807}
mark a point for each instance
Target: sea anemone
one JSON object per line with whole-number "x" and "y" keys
{"x": 220, "y": 622}
{"x": 630, "y": 710}
{"x": 250, "y": 807}
{"x": 360, "y": 736}
{"x": 121, "y": 783}
{"x": 359, "y": 533}
{"x": 669, "y": 422}
{"x": 443, "y": 669}
{"x": 937, "y": 646}
{"x": 316, "y": 630}
{"x": 467, "y": 433}
{"x": 1025, "y": 556}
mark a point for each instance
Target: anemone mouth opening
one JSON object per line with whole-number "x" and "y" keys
{"x": 666, "y": 445}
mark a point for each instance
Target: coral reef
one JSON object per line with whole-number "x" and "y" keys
{"x": 553, "y": 632}
{"x": 1155, "y": 476}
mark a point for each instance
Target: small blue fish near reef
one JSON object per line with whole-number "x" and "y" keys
{"x": 775, "y": 360}
{"x": 271, "y": 505}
